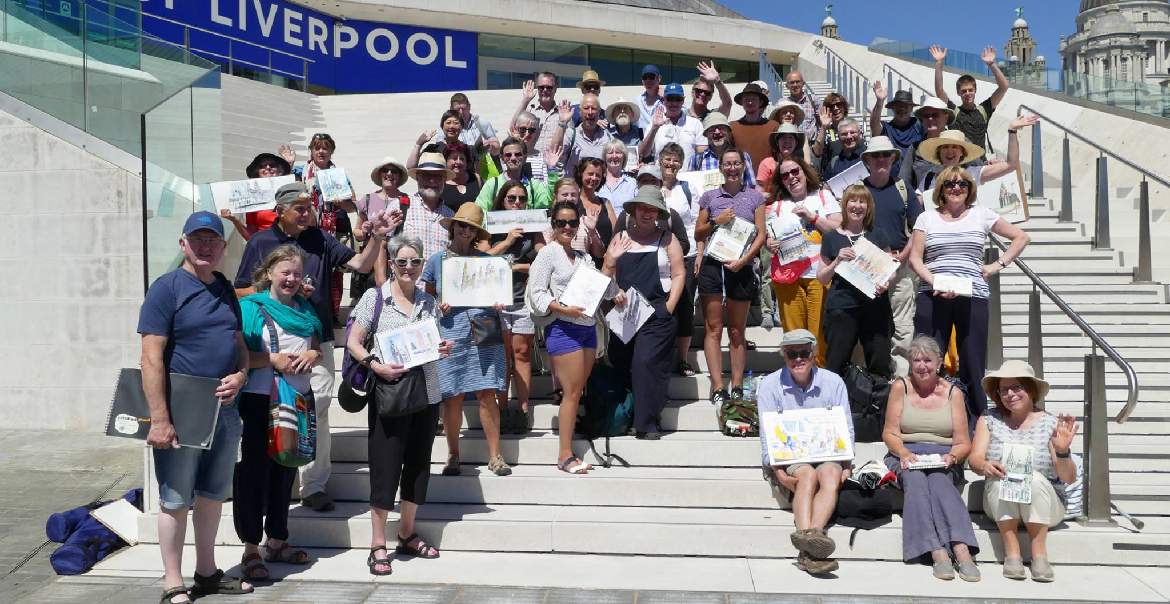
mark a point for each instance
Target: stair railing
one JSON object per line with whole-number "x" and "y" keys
{"x": 846, "y": 80}
{"x": 1096, "y": 414}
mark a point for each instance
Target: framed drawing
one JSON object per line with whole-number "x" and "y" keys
{"x": 476, "y": 281}
{"x": 503, "y": 221}
{"x": 1006, "y": 196}
{"x": 410, "y": 345}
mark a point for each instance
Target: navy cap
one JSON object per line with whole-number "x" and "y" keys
{"x": 651, "y": 69}
{"x": 674, "y": 89}
{"x": 203, "y": 220}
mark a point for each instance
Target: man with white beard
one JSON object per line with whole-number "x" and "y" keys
{"x": 421, "y": 217}
{"x": 622, "y": 117}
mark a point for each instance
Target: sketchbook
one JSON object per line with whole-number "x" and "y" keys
{"x": 191, "y": 402}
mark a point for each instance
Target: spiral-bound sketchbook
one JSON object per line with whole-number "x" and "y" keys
{"x": 191, "y": 401}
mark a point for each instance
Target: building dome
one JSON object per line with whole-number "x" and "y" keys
{"x": 1113, "y": 23}
{"x": 829, "y": 21}
{"x": 1020, "y": 23}
{"x": 1087, "y": 5}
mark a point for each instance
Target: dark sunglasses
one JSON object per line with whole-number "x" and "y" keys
{"x": 837, "y": 104}
{"x": 957, "y": 184}
{"x": 507, "y": 155}
{"x": 405, "y": 262}
{"x": 273, "y": 165}
{"x": 932, "y": 115}
{"x": 560, "y": 224}
{"x": 881, "y": 154}
{"x": 591, "y": 88}
{"x": 674, "y": 99}
{"x": 390, "y": 170}
{"x": 793, "y": 355}
{"x": 516, "y": 197}
{"x": 648, "y": 76}
{"x": 526, "y": 129}
{"x": 702, "y": 92}
{"x": 545, "y": 87}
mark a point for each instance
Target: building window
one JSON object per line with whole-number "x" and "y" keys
{"x": 614, "y": 65}
{"x": 570, "y": 53}
{"x": 506, "y": 47}
{"x": 1146, "y": 17}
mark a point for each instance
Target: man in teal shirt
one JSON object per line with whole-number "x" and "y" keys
{"x": 514, "y": 153}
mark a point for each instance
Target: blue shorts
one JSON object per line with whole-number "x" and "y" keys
{"x": 186, "y": 473}
{"x": 561, "y": 337}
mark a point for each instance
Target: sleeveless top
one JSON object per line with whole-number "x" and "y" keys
{"x": 1036, "y": 437}
{"x": 932, "y": 426}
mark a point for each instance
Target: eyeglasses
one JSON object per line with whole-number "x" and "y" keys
{"x": 514, "y": 154}
{"x": 526, "y": 129}
{"x": 932, "y": 115}
{"x": 390, "y": 170}
{"x": 881, "y": 154}
{"x": 270, "y": 165}
{"x": 796, "y": 83}
{"x": 560, "y": 224}
{"x": 838, "y": 104}
{"x": 674, "y": 99}
{"x": 203, "y": 241}
{"x": 957, "y": 184}
{"x": 516, "y": 198}
{"x": 546, "y": 87}
{"x": 648, "y": 76}
{"x": 591, "y": 88}
{"x": 1013, "y": 389}
{"x": 702, "y": 92}
{"x": 732, "y": 164}
{"x": 793, "y": 355}
{"x": 793, "y": 173}
{"x": 464, "y": 225}
{"x": 405, "y": 262}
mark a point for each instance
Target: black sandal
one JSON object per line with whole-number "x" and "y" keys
{"x": 558, "y": 395}
{"x": 404, "y": 548}
{"x": 684, "y": 369}
{"x": 749, "y": 345}
{"x": 169, "y": 595}
{"x": 216, "y": 584}
{"x": 374, "y": 561}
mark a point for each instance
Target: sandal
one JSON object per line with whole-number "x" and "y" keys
{"x": 498, "y": 466}
{"x": 169, "y": 595}
{"x": 749, "y": 345}
{"x": 219, "y": 583}
{"x": 577, "y": 466}
{"x": 286, "y": 554}
{"x": 375, "y": 562}
{"x": 452, "y": 468}
{"x": 558, "y": 395}
{"x": 424, "y": 550}
{"x": 253, "y": 567}
{"x": 684, "y": 369}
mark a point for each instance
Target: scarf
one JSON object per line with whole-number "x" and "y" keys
{"x": 301, "y": 321}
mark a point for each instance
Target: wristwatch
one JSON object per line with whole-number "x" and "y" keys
{"x": 1064, "y": 455}
{"x": 368, "y": 360}
{"x": 1001, "y": 263}
{"x": 245, "y": 372}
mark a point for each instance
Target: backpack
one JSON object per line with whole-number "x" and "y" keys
{"x": 86, "y": 541}
{"x": 357, "y": 380}
{"x": 868, "y": 394}
{"x": 744, "y": 417}
{"x": 905, "y": 193}
{"x": 608, "y": 407}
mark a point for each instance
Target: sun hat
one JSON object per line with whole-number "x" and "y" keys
{"x": 797, "y": 337}
{"x": 715, "y": 119}
{"x": 622, "y": 101}
{"x": 432, "y": 162}
{"x": 786, "y": 128}
{"x": 878, "y": 144}
{"x": 470, "y": 214}
{"x": 1020, "y": 370}
{"x": 376, "y": 174}
{"x": 934, "y": 103}
{"x": 290, "y": 193}
{"x": 253, "y": 169}
{"x": 787, "y": 104}
{"x": 751, "y": 88}
{"x": 929, "y": 147}
{"x": 203, "y": 220}
{"x": 649, "y": 170}
{"x": 763, "y": 87}
{"x": 590, "y": 77}
{"x": 903, "y": 97}
{"x": 651, "y": 196}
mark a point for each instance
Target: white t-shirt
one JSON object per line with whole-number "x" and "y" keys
{"x": 822, "y": 204}
{"x": 260, "y": 380}
{"x": 676, "y": 199}
{"x": 688, "y": 133}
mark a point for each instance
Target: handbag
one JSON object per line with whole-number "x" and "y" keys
{"x": 357, "y": 380}
{"x": 403, "y": 396}
{"x": 486, "y": 330}
{"x": 868, "y": 394}
{"x": 787, "y": 274}
{"x": 292, "y": 417}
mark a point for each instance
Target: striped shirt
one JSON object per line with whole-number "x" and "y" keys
{"x": 956, "y": 248}
{"x": 424, "y": 224}
{"x": 553, "y": 269}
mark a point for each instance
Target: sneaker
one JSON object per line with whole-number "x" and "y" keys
{"x": 719, "y": 397}
{"x": 820, "y": 566}
{"x": 319, "y": 501}
{"x": 737, "y": 393}
{"x": 766, "y": 322}
{"x": 521, "y": 422}
{"x": 818, "y": 544}
{"x": 498, "y": 466}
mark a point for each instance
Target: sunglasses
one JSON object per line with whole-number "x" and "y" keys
{"x": 393, "y": 171}
{"x": 881, "y": 154}
{"x": 560, "y": 223}
{"x": 648, "y": 76}
{"x": 793, "y": 173}
{"x": 270, "y": 165}
{"x": 674, "y": 99}
{"x": 203, "y": 241}
{"x": 507, "y": 155}
{"x": 839, "y": 104}
{"x": 957, "y": 184}
{"x": 405, "y": 262}
{"x": 545, "y": 87}
{"x": 591, "y": 88}
{"x": 793, "y": 355}
{"x": 702, "y": 92}
{"x": 516, "y": 197}
{"x": 932, "y": 115}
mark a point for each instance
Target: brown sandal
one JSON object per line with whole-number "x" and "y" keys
{"x": 252, "y": 566}
{"x": 286, "y": 554}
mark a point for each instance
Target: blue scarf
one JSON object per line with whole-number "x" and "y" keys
{"x": 301, "y": 320}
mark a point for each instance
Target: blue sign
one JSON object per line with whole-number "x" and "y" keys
{"x": 345, "y": 55}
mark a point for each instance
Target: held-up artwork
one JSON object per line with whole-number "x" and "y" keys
{"x": 252, "y": 195}
{"x": 476, "y": 281}
{"x": 1006, "y": 196}
{"x": 410, "y": 345}
{"x": 503, "y": 221}
{"x": 334, "y": 185}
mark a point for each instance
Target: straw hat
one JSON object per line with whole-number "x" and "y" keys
{"x": 787, "y": 128}
{"x": 432, "y": 162}
{"x": 389, "y": 160}
{"x": 714, "y": 119}
{"x": 878, "y": 144}
{"x": 929, "y": 147}
{"x": 651, "y": 196}
{"x": 1018, "y": 370}
{"x": 934, "y": 103}
{"x": 787, "y": 104}
{"x": 469, "y": 214}
{"x": 590, "y": 77}
{"x": 622, "y": 101}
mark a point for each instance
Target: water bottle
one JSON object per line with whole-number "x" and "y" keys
{"x": 749, "y": 388}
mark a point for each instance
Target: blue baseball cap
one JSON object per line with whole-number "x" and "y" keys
{"x": 674, "y": 89}
{"x": 651, "y": 69}
{"x": 203, "y": 220}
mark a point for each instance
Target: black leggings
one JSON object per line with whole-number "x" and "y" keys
{"x": 936, "y": 317}
{"x": 871, "y": 325}
{"x": 262, "y": 488}
{"x": 684, "y": 313}
{"x": 400, "y": 454}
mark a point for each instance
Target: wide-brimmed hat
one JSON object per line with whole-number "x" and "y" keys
{"x": 787, "y": 104}
{"x": 432, "y": 162}
{"x": 590, "y": 77}
{"x": 651, "y": 196}
{"x": 470, "y": 214}
{"x": 376, "y": 174}
{"x": 934, "y": 103}
{"x": 1019, "y": 370}
{"x": 878, "y": 144}
{"x": 786, "y": 128}
{"x": 713, "y": 119}
{"x": 751, "y": 88}
{"x": 622, "y": 101}
{"x": 903, "y": 97}
{"x": 929, "y": 147}
{"x": 253, "y": 169}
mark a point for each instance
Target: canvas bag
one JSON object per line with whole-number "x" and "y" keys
{"x": 292, "y": 416}
{"x": 791, "y": 272}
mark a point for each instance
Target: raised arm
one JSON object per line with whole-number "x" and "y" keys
{"x": 709, "y": 73}
{"x": 875, "y": 117}
{"x": 939, "y": 54}
{"x": 993, "y": 171}
{"x": 527, "y": 93}
{"x": 423, "y": 139}
{"x": 1001, "y": 82}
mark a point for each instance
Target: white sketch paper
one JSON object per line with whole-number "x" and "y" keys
{"x": 807, "y": 435}
{"x": 871, "y": 267}
{"x": 1006, "y": 196}
{"x": 503, "y": 221}
{"x": 121, "y": 517}
{"x": 731, "y": 240}
{"x": 1016, "y": 485}
{"x": 852, "y": 175}
{"x": 953, "y": 283}
{"x": 928, "y": 462}
{"x": 410, "y": 345}
{"x": 585, "y": 289}
{"x": 252, "y": 195}
{"x": 701, "y": 181}
{"x": 334, "y": 185}
{"x": 794, "y": 245}
{"x": 476, "y": 281}
{"x": 625, "y": 322}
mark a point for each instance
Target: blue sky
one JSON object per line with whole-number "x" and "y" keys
{"x": 967, "y": 26}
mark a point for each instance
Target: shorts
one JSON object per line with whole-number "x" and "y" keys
{"x": 186, "y": 473}
{"x": 515, "y": 318}
{"x": 716, "y": 280}
{"x": 562, "y": 337}
{"x": 791, "y": 469}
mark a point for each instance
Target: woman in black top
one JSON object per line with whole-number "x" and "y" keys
{"x": 464, "y": 187}
{"x": 850, "y": 314}
{"x": 519, "y": 331}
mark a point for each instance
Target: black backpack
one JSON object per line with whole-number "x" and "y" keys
{"x": 868, "y": 394}
{"x": 608, "y": 410}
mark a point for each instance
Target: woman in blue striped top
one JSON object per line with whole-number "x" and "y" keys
{"x": 949, "y": 240}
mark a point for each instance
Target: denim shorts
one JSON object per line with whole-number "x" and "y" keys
{"x": 561, "y": 337}
{"x": 186, "y": 473}
{"x": 515, "y": 319}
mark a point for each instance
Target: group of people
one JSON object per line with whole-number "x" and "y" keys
{"x": 610, "y": 181}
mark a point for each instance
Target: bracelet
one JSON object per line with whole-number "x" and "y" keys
{"x": 1064, "y": 455}
{"x": 368, "y": 360}
{"x": 1001, "y": 263}
{"x": 1010, "y": 131}
{"x": 814, "y": 220}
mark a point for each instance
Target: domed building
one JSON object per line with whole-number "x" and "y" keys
{"x": 1021, "y": 63}
{"x": 1124, "y": 40}
{"x": 829, "y": 25}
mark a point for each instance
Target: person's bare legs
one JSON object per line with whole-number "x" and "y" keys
{"x": 172, "y": 530}
{"x": 1038, "y": 537}
{"x": 825, "y": 501}
{"x": 713, "y": 324}
{"x": 206, "y": 518}
{"x": 522, "y": 366}
{"x": 682, "y": 344}
{"x": 378, "y": 530}
{"x": 573, "y": 368}
{"x": 1009, "y": 530}
{"x": 736, "y": 325}
{"x": 802, "y": 497}
{"x": 453, "y": 422}
{"x": 489, "y": 419}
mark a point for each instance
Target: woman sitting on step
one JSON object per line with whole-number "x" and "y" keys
{"x": 1018, "y": 419}
{"x": 927, "y": 416}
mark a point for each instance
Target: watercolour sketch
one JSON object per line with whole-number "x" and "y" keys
{"x": 701, "y": 181}
{"x": 794, "y": 245}
{"x": 625, "y": 322}
{"x": 503, "y": 221}
{"x": 476, "y": 281}
{"x": 807, "y": 435}
{"x": 871, "y": 267}
{"x": 252, "y": 195}
{"x": 852, "y": 175}
{"x": 586, "y": 288}
{"x": 731, "y": 240}
{"x": 334, "y": 185}
{"x": 1006, "y": 196}
{"x": 410, "y": 345}
{"x": 1016, "y": 485}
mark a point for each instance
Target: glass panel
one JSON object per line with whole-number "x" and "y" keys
{"x": 553, "y": 51}
{"x": 735, "y": 72}
{"x": 499, "y": 80}
{"x": 614, "y": 65}
{"x": 169, "y": 192}
{"x": 507, "y": 47}
{"x": 642, "y": 58}
{"x": 684, "y": 69}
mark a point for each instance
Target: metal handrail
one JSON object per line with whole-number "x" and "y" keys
{"x": 1098, "y": 341}
{"x": 1068, "y": 131}
{"x": 924, "y": 89}
{"x": 861, "y": 97}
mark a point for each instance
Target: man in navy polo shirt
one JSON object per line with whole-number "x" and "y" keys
{"x": 904, "y": 131}
{"x": 190, "y": 324}
{"x": 325, "y": 253}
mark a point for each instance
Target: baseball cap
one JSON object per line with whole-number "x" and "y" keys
{"x": 797, "y": 337}
{"x": 203, "y": 220}
{"x": 674, "y": 89}
{"x": 651, "y": 69}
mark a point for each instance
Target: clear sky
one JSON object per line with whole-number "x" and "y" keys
{"x": 967, "y": 26}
